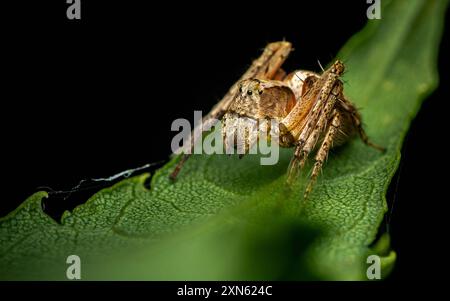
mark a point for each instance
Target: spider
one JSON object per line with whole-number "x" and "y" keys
{"x": 311, "y": 110}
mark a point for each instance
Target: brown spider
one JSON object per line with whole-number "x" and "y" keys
{"x": 309, "y": 107}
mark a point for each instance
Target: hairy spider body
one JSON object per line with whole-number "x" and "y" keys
{"x": 310, "y": 110}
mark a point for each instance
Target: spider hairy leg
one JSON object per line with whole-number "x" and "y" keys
{"x": 322, "y": 153}
{"x": 324, "y": 88}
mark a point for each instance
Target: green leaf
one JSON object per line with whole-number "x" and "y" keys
{"x": 227, "y": 218}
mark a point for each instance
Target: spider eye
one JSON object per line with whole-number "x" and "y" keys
{"x": 240, "y": 89}
{"x": 249, "y": 92}
{"x": 260, "y": 92}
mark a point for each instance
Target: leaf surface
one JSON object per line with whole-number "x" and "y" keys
{"x": 227, "y": 218}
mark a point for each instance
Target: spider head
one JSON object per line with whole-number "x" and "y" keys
{"x": 338, "y": 68}
{"x": 261, "y": 99}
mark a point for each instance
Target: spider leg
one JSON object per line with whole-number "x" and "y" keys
{"x": 300, "y": 122}
{"x": 300, "y": 156}
{"x": 297, "y": 163}
{"x": 279, "y": 75}
{"x": 267, "y": 66}
{"x": 301, "y": 153}
{"x": 300, "y": 81}
{"x": 303, "y": 150}
{"x": 322, "y": 153}
{"x": 356, "y": 120}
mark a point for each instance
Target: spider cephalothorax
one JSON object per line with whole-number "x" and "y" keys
{"x": 253, "y": 112}
{"x": 310, "y": 110}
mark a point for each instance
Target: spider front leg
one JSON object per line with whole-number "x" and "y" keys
{"x": 267, "y": 66}
{"x": 302, "y": 151}
{"x": 330, "y": 136}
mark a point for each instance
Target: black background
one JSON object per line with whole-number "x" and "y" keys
{"x": 92, "y": 97}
